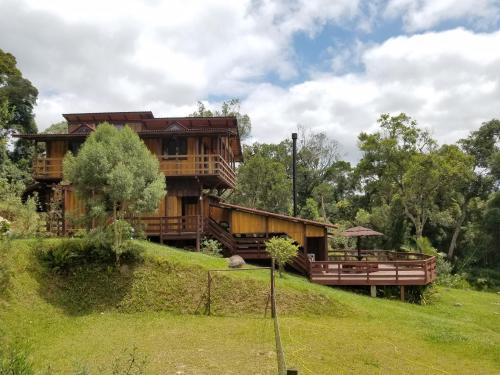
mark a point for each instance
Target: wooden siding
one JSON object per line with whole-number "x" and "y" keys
{"x": 246, "y": 223}
{"x": 73, "y": 206}
{"x": 57, "y": 149}
{"x": 314, "y": 231}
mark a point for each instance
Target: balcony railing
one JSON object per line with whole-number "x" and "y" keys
{"x": 47, "y": 168}
{"x": 179, "y": 165}
{"x": 198, "y": 165}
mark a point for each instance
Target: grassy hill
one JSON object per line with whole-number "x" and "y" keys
{"x": 94, "y": 320}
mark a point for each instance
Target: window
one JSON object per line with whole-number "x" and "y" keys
{"x": 174, "y": 146}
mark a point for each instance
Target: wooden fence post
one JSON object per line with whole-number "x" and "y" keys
{"x": 209, "y": 285}
{"x": 273, "y": 296}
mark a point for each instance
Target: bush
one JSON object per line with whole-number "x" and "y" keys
{"x": 23, "y": 218}
{"x": 211, "y": 247}
{"x": 96, "y": 247}
{"x": 283, "y": 250}
{"x": 446, "y": 277}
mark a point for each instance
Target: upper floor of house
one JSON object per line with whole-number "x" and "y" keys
{"x": 203, "y": 148}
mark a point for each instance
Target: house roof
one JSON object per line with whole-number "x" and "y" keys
{"x": 151, "y": 126}
{"x": 272, "y": 214}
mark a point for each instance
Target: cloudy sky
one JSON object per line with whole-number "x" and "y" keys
{"x": 330, "y": 65}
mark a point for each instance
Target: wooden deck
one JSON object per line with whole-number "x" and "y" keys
{"x": 366, "y": 268}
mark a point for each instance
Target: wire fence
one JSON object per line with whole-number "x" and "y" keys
{"x": 280, "y": 352}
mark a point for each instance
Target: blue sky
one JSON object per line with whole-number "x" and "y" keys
{"x": 330, "y": 66}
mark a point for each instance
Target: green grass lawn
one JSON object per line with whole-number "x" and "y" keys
{"x": 93, "y": 319}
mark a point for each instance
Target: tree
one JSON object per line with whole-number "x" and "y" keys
{"x": 262, "y": 182}
{"x": 317, "y": 152}
{"x": 310, "y": 210}
{"x": 482, "y": 146}
{"x": 57, "y": 128}
{"x": 115, "y": 175}
{"x": 282, "y": 250}
{"x": 229, "y": 108}
{"x": 20, "y": 96}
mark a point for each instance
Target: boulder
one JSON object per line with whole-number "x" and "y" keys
{"x": 236, "y": 261}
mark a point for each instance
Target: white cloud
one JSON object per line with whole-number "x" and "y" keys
{"x": 424, "y": 14}
{"x": 448, "y": 81}
{"x": 116, "y": 55}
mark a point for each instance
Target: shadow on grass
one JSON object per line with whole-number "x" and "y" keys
{"x": 85, "y": 290}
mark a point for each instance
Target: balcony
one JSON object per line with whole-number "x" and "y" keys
{"x": 47, "y": 168}
{"x": 213, "y": 168}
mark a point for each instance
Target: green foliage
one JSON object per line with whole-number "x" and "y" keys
{"x": 310, "y": 210}
{"x": 446, "y": 276}
{"x": 263, "y": 183}
{"x": 20, "y": 96}
{"x": 57, "y": 128}
{"x": 283, "y": 250}
{"x": 14, "y": 360}
{"x": 229, "y": 108}
{"x": 23, "y": 218}
{"x": 211, "y": 247}
{"x": 96, "y": 247}
{"x": 116, "y": 176}
{"x": 5, "y": 269}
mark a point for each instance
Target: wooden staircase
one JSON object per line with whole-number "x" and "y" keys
{"x": 252, "y": 247}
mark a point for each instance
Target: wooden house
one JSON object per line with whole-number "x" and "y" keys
{"x": 198, "y": 157}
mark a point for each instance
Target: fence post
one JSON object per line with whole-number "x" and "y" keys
{"x": 209, "y": 285}
{"x": 273, "y": 296}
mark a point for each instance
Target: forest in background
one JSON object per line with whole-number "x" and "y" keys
{"x": 417, "y": 192}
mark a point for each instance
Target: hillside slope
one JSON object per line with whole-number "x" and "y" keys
{"x": 93, "y": 318}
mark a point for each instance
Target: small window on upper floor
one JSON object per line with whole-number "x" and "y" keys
{"x": 174, "y": 146}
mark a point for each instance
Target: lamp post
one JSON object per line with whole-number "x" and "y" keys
{"x": 294, "y": 175}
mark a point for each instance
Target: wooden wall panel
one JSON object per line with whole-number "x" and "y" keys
{"x": 293, "y": 229}
{"x": 244, "y": 222}
{"x": 73, "y": 206}
{"x": 154, "y": 145}
{"x": 56, "y": 149}
{"x": 174, "y": 207}
{"x": 314, "y": 231}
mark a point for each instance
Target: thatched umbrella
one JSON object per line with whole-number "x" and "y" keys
{"x": 359, "y": 232}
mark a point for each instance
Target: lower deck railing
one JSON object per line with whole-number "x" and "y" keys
{"x": 420, "y": 271}
{"x": 172, "y": 225}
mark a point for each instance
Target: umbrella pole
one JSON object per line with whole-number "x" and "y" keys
{"x": 358, "y": 246}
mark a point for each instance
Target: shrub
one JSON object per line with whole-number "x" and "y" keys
{"x": 282, "y": 250}
{"x": 96, "y": 247}
{"x": 446, "y": 277}
{"x": 24, "y": 220}
{"x": 211, "y": 247}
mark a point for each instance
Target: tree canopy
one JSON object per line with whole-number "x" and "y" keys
{"x": 115, "y": 174}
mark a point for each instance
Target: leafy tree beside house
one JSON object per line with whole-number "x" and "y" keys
{"x": 282, "y": 250}
{"x": 116, "y": 177}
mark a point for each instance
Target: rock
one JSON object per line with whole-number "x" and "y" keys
{"x": 236, "y": 261}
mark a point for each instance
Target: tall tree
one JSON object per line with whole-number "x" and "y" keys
{"x": 20, "y": 96}
{"x": 228, "y": 108}
{"x": 262, "y": 182}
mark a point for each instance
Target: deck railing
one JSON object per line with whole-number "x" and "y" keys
{"x": 198, "y": 165}
{"x": 172, "y": 225}
{"x": 47, "y": 167}
{"x": 179, "y": 165}
{"x": 408, "y": 269}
